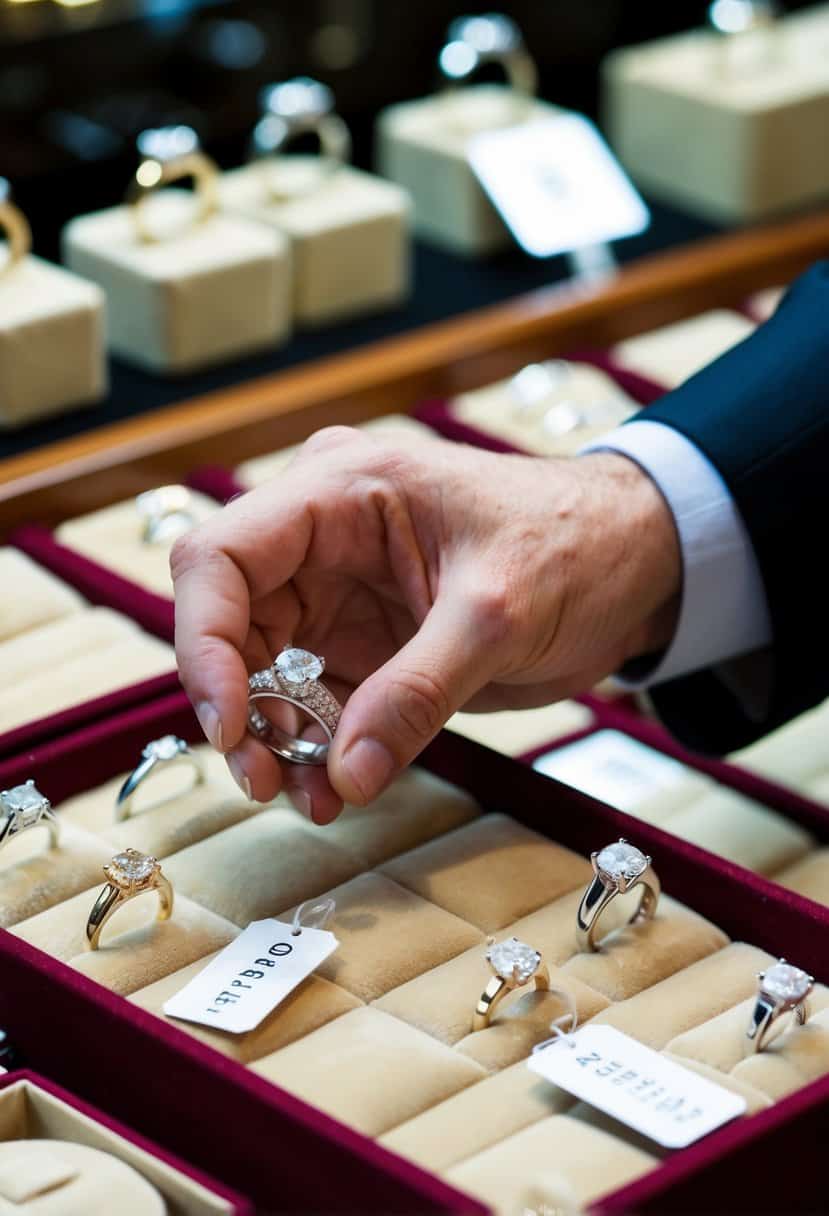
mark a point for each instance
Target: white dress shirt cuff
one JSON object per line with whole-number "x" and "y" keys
{"x": 724, "y": 611}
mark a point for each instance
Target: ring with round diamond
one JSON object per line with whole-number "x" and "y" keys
{"x": 513, "y": 964}
{"x": 24, "y": 807}
{"x": 617, "y": 868}
{"x": 170, "y": 154}
{"x": 293, "y": 677}
{"x": 292, "y": 108}
{"x": 782, "y": 989}
{"x": 163, "y": 752}
{"x": 130, "y": 874}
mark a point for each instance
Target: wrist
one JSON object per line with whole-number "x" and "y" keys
{"x": 642, "y": 527}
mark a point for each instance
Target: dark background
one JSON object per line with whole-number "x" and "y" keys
{"x": 78, "y": 83}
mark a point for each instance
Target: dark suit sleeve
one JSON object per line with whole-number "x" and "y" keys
{"x": 760, "y": 413}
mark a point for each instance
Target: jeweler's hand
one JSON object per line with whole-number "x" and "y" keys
{"x": 432, "y": 577}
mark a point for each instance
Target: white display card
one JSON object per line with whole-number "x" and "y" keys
{"x": 614, "y": 768}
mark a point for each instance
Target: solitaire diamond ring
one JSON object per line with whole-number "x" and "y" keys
{"x": 170, "y": 154}
{"x": 24, "y": 807}
{"x": 130, "y": 874}
{"x": 16, "y": 228}
{"x": 293, "y": 677}
{"x": 297, "y": 107}
{"x": 472, "y": 42}
{"x": 514, "y": 964}
{"x": 164, "y": 752}
{"x": 782, "y": 989}
{"x": 617, "y": 868}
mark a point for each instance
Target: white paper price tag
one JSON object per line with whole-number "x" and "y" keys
{"x": 557, "y": 184}
{"x": 613, "y": 768}
{"x": 637, "y": 1086}
{"x": 251, "y": 976}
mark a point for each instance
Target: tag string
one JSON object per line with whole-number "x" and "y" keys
{"x": 559, "y": 1035}
{"x": 311, "y": 915}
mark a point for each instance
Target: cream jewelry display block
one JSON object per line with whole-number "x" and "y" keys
{"x": 349, "y": 235}
{"x": 38, "y": 597}
{"x": 732, "y": 127}
{"x": 52, "y": 349}
{"x": 219, "y": 289}
{"x": 422, "y": 145}
{"x": 672, "y": 353}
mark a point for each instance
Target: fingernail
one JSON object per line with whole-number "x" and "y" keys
{"x": 239, "y": 777}
{"x": 301, "y": 802}
{"x": 369, "y": 764}
{"x": 211, "y": 724}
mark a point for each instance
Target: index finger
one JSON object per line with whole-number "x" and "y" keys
{"x": 253, "y": 545}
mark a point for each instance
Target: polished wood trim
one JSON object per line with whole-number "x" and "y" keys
{"x": 230, "y": 425}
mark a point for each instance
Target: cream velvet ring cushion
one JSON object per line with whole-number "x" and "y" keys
{"x": 59, "y": 1178}
{"x": 809, "y": 876}
{"x": 370, "y": 1070}
{"x": 256, "y": 472}
{"x": 73, "y": 660}
{"x": 514, "y": 732}
{"x": 314, "y": 1003}
{"x": 490, "y": 872}
{"x": 169, "y": 814}
{"x": 113, "y": 537}
{"x": 136, "y": 949}
{"x": 742, "y": 830}
{"x": 795, "y": 754}
{"x": 570, "y": 406}
{"x": 34, "y": 876}
{"x": 39, "y": 597}
{"x": 674, "y": 352}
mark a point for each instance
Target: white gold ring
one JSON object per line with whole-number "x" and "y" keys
{"x": 159, "y": 753}
{"x": 294, "y": 678}
{"x": 24, "y": 807}
{"x": 299, "y": 107}
{"x": 166, "y": 513}
{"x": 782, "y": 989}
{"x": 472, "y": 42}
{"x": 617, "y": 868}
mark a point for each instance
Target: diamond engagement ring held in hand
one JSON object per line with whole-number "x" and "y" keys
{"x": 164, "y": 752}
{"x": 293, "y": 677}
{"x": 24, "y": 807}
{"x": 170, "y": 154}
{"x": 513, "y": 965}
{"x": 782, "y": 989}
{"x": 617, "y": 868}
{"x": 130, "y": 874}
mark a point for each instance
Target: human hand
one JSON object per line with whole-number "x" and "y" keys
{"x": 432, "y": 577}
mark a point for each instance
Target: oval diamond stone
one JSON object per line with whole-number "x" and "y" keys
{"x": 786, "y": 983}
{"x": 131, "y": 867}
{"x": 622, "y": 860}
{"x": 298, "y": 666}
{"x": 165, "y": 748}
{"x": 514, "y": 959}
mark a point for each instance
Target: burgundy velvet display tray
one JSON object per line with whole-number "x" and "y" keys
{"x": 289, "y": 1156}
{"x": 438, "y": 413}
{"x": 240, "y": 1205}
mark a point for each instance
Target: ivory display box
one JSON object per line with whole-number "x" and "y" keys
{"x": 291, "y": 1156}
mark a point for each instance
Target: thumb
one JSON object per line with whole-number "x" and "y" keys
{"x": 393, "y": 714}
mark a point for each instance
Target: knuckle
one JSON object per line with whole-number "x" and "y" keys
{"x": 187, "y": 552}
{"x": 418, "y": 704}
{"x": 330, "y": 438}
{"x": 494, "y": 614}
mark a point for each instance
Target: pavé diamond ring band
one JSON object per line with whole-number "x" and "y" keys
{"x": 293, "y": 108}
{"x": 472, "y": 42}
{"x": 170, "y": 154}
{"x": 293, "y": 677}
{"x": 24, "y": 807}
{"x": 130, "y": 874}
{"x": 782, "y": 989}
{"x": 617, "y": 868}
{"x": 514, "y": 964}
{"x": 15, "y": 227}
{"x": 164, "y": 752}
